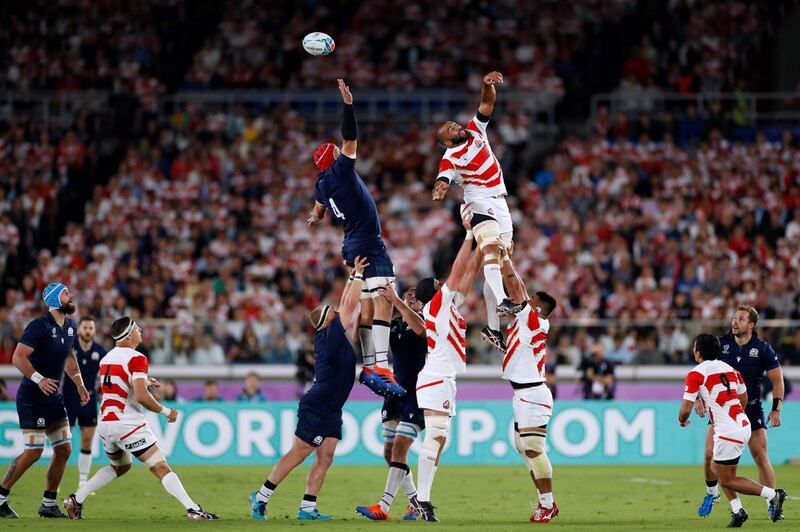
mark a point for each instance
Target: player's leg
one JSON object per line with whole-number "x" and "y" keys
{"x": 437, "y": 429}
{"x": 60, "y": 437}
{"x": 298, "y": 452}
{"x": 407, "y": 433}
{"x": 153, "y": 457}
{"x": 85, "y": 458}
{"x": 120, "y": 464}
{"x": 381, "y": 326}
{"x": 712, "y": 485}
{"x": 389, "y": 432}
{"x": 34, "y": 446}
{"x": 533, "y": 407}
{"x": 323, "y": 460}
{"x": 365, "y": 330}
{"x": 758, "y": 450}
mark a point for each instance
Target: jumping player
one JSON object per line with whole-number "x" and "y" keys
{"x": 402, "y": 418}
{"x": 89, "y": 354}
{"x": 340, "y": 189}
{"x": 319, "y": 414}
{"x": 751, "y": 356}
{"x": 470, "y": 162}
{"x": 523, "y": 367}
{"x": 123, "y": 427}
{"x": 436, "y": 383}
{"x": 43, "y": 355}
{"x": 724, "y": 394}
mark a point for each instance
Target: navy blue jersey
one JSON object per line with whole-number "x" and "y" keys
{"x": 408, "y": 349}
{"x": 751, "y": 360}
{"x": 334, "y": 368}
{"x": 341, "y": 190}
{"x": 51, "y": 346}
{"x": 89, "y": 364}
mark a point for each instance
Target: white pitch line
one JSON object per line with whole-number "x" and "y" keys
{"x": 650, "y": 481}
{"x": 793, "y": 498}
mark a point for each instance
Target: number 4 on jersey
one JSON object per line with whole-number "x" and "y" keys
{"x": 335, "y": 209}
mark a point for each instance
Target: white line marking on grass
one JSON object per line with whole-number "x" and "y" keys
{"x": 650, "y": 481}
{"x": 793, "y": 498}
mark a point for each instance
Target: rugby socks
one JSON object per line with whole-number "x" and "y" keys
{"x": 409, "y": 487}
{"x": 265, "y": 492}
{"x": 49, "y": 498}
{"x": 380, "y": 339}
{"x": 491, "y": 272}
{"x": 367, "y": 348}
{"x": 3, "y": 495}
{"x": 546, "y": 499}
{"x": 492, "y": 319}
{"x": 712, "y": 488}
{"x": 426, "y": 470}
{"x": 173, "y": 485}
{"x": 309, "y": 503}
{"x": 768, "y": 493}
{"x": 736, "y": 504}
{"x": 397, "y": 473}
{"x": 84, "y": 465}
{"x": 100, "y": 479}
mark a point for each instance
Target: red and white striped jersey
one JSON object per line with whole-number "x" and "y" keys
{"x": 525, "y": 352}
{"x": 118, "y": 369}
{"x": 718, "y": 386}
{"x": 446, "y": 330}
{"x": 473, "y": 165}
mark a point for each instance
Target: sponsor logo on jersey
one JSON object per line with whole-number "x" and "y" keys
{"x": 317, "y": 440}
{"x": 738, "y": 359}
{"x": 754, "y": 352}
{"x": 136, "y": 444}
{"x": 54, "y": 333}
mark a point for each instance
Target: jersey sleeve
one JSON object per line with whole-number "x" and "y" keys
{"x": 478, "y": 126}
{"x": 32, "y": 334}
{"x": 320, "y": 195}
{"x": 692, "y": 386}
{"x": 740, "y": 387}
{"x": 137, "y": 367}
{"x": 447, "y": 171}
{"x": 768, "y": 358}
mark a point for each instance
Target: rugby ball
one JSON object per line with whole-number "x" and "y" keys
{"x": 318, "y": 43}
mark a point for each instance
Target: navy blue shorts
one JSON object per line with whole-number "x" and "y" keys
{"x": 86, "y": 416}
{"x": 316, "y": 424}
{"x": 380, "y": 265}
{"x": 404, "y": 408}
{"x": 755, "y": 413}
{"x": 37, "y": 411}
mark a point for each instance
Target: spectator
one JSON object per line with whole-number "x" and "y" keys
{"x": 168, "y": 391}
{"x": 7, "y": 347}
{"x": 598, "y": 375}
{"x": 305, "y": 371}
{"x": 208, "y": 352}
{"x": 210, "y": 392}
{"x": 4, "y": 395}
{"x": 251, "y": 392}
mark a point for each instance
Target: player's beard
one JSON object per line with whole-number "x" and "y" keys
{"x": 67, "y": 309}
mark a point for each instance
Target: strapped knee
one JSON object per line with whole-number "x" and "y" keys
{"x": 60, "y": 436}
{"x": 540, "y": 464}
{"x": 487, "y": 233}
{"x": 408, "y": 430}
{"x": 155, "y": 458}
{"x": 389, "y": 430}
{"x": 436, "y": 428}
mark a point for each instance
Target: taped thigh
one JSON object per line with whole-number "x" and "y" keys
{"x": 120, "y": 458}
{"x": 408, "y": 430}
{"x": 436, "y": 427}
{"x": 34, "y": 439}
{"x": 487, "y": 233}
{"x": 155, "y": 458}
{"x": 60, "y": 436}
{"x": 389, "y": 430}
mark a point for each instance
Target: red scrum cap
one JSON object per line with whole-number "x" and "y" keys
{"x": 323, "y": 156}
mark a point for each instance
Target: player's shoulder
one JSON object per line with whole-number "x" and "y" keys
{"x": 99, "y": 348}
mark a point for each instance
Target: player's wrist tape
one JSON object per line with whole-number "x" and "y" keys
{"x": 37, "y": 377}
{"x": 776, "y": 402}
{"x": 352, "y": 277}
{"x": 165, "y": 411}
{"x": 469, "y": 236}
{"x": 359, "y": 277}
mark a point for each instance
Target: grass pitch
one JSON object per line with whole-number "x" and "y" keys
{"x": 468, "y": 498}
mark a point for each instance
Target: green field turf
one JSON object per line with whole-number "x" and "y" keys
{"x": 468, "y": 498}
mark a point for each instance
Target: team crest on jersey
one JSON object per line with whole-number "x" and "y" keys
{"x": 754, "y": 352}
{"x": 479, "y": 144}
{"x": 317, "y": 440}
{"x": 69, "y": 331}
{"x": 40, "y": 422}
{"x": 383, "y": 415}
{"x": 726, "y": 348}
{"x": 95, "y": 355}
{"x": 55, "y": 335}
{"x": 446, "y": 405}
{"x": 490, "y": 211}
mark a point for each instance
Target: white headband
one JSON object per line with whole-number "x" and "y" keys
{"x": 124, "y": 334}
{"x": 322, "y": 316}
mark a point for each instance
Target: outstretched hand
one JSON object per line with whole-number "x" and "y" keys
{"x": 466, "y": 216}
{"x": 388, "y": 292}
{"x": 493, "y": 78}
{"x": 347, "y": 97}
{"x": 360, "y": 265}
{"x": 439, "y": 191}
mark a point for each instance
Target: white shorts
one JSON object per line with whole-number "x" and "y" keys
{"x": 729, "y": 447}
{"x": 436, "y": 393}
{"x": 130, "y": 436}
{"x": 370, "y": 285}
{"x": 497, "y": 208}
{"x": 533, "y": 407}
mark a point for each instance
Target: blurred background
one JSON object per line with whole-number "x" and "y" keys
{"x": 155, "y": 156}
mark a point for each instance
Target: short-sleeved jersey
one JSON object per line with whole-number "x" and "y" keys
{"x": 118, "y": 369}
{"x": 89, "y": 364}
{"x": 51, "y": 345}
{"x": 718, "y": 385}
{"x": 446, "y": 331}
{"x": 525, "y": 347}
{"x": 341, "y": 190}
{"x": 473, "y": 165}
{"x": 408, "y": 349}
{"x": 751, "y": 360}
{"x": 334, "y": 368}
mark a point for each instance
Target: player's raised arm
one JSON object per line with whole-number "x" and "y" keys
{"x": 349, "y": 123}
{"x": 515, "y": 287}
{"x": 488, "y": 93}
{"x": 464, "y": 253}
{"x": 474, "y": 263}
{"x": 349, "y": 305}
{"x": 408, "y": 314}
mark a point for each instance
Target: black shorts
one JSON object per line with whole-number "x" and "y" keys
{"x": 380, "y": 265}
{"x": 755, "y": 413}
{"x": 86, "y": 415}
{"x": 37, "y": 411}
{"x": 404, "y": 408}
{"x": 314, "y": 424}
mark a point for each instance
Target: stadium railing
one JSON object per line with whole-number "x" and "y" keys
{"x": 48, "y": 106}
{"x": 653, "y": 341}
